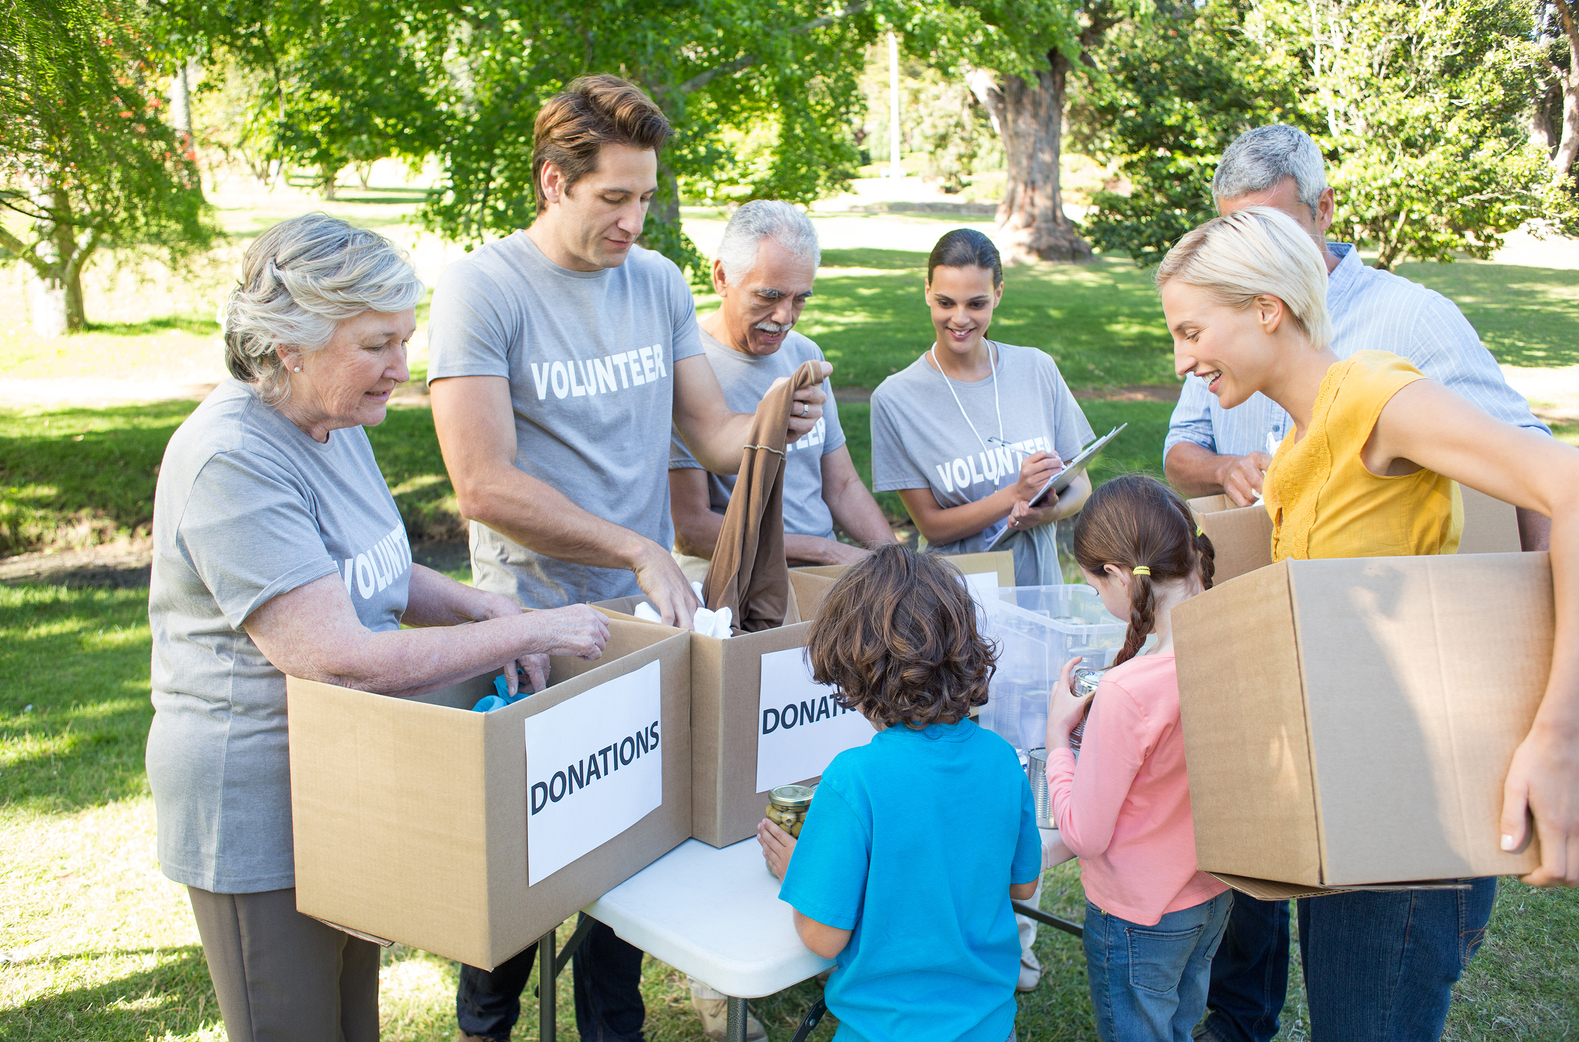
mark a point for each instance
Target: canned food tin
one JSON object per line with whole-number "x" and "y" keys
{"x": 1084, "y": 681}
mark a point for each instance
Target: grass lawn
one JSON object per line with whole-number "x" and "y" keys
{"x": 96, "y": 944}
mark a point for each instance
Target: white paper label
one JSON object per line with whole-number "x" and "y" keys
{"x": 800, "y": 727}
{"x": 594, "y": 768}
{"x": 983, "y": 587}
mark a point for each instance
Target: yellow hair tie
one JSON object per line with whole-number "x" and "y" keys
{"x": 1199, "y": 531}
{"x": 1141, "y": 569}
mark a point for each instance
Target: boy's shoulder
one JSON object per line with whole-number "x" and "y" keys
{"x": 890, "y": 749}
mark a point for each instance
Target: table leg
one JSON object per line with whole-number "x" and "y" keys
{"x": 735, "y": 1025}
{"x": 547, "y": 971}
{"x": 1033, "y": 912}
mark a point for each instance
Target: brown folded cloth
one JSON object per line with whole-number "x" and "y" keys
{"x": 748, "y": 573}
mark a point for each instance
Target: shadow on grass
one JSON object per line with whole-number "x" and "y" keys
{"x": 74, "y": 708}
{"x": 1526, "y": 316}
{"x": 81, "y": 475}
{"x": 174, "y": 998}
{"x": 198, "y": 325}
{"x": 87, "y": 475}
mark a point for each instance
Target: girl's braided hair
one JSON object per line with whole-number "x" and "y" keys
{"x": 1133, "y": 522}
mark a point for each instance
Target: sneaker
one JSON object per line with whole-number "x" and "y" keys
{"x": 715, "y": 1020}
{"x": 1030, "y": 976}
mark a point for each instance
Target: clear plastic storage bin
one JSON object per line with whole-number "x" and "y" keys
{"x": 1038, "y": 629}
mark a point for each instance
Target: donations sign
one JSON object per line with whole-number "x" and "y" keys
{"x": 800, "y": 727}
{"x": 594, "y": 768}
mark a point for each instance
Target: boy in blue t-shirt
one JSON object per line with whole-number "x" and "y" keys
{"x": 915, "y": 842}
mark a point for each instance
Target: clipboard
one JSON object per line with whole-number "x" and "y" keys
{"x": 1073, "y": 469}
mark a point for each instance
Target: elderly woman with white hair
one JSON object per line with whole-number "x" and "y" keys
{"x": 278, "y": 550}
{"x": 1369, "y": 470}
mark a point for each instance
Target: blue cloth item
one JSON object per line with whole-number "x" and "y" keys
{"x": 912, "y": 843}
{"x": 1380, "y": 967}
{"x": 1249, "y": 973}
{"x": 607, "y": 978}
{"x": 1372, "y": 310}
{"x": 1148, "y": 983}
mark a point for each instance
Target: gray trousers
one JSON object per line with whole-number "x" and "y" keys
{"x": 282, "y": 976}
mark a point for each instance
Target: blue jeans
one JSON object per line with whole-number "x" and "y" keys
{"x": 607, "y": 976}
{"x": 1149, "y": 982}
{"x": 1249, "y": 973}
{"x": 1381, "y": 967}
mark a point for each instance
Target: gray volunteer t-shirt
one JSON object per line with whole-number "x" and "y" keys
{"x": 590, "y": 359}
{"x": 921, "y": 439}
{"x": 745, "y": 379}
{"x": 249, "y": 507}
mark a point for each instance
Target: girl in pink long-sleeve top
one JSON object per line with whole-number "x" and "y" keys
{"x": 1153, "y": 921}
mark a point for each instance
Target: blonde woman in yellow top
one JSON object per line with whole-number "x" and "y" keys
{"x": 1370, "y": 469}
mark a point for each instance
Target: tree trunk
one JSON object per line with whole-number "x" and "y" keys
{"x": 1568, "y": 147}
{"x": 1029, "y": 115}
{"x": 57, "y": 306}
{"x": 47, "y": 307}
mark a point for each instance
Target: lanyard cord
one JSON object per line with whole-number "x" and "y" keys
{"x": 993, "y": 367}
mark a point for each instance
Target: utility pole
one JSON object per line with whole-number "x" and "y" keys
{"x": 895, "y": 169}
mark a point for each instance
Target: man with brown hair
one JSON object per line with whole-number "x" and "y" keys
{"x": 560, "y": 356}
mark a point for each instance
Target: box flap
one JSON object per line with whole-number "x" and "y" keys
{"x": 809, "y": 589}
{"x": 1241, "y": 536}
{"x": 1252, "y": 793}
{"x": 1000, "y": 561}
{"x": 1423, "y": 675}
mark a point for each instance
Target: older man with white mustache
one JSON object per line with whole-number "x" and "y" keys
{"x": 767, "y": 263}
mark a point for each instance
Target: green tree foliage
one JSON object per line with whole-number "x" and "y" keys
{"x": 760, "y": 96}
{"x": 1423, "y": 103}
{"x": 86, "y": 159}
{"x": 1175, "y": 90}
{"x": 1419, "y": 106}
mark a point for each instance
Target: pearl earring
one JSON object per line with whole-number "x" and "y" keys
{"x": 297, "y": 369}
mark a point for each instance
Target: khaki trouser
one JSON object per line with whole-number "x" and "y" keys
{"x": 282, "y": 976}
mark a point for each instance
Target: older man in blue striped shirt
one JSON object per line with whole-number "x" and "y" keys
{"x": 1210, "y": 449}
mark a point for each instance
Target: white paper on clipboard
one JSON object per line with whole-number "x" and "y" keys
{"x": 1060, "y": 481}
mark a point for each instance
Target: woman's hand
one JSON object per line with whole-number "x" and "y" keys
{"x": 1035, "y": 469}
{"x": 577, "y": 630}
{"x": 1064, "y": 710}
{"x": 777, "y": 846}
{"x": 1025, "y": 516}
{"x": 1543, "y": 782}
{"x": 530, "y": 669}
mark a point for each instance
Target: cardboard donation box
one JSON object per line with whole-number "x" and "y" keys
{"x": 1242, "y": 536}
{"x": 470, "y": 834}
{"x": 987, "y": 570}
{"x": 1349, "y": 723}
{"x": 757, "y": 719}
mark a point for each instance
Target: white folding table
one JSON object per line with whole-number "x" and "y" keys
{"x": 715, "y": 915}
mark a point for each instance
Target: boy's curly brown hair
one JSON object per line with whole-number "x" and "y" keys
{"x": 897, "y": 639}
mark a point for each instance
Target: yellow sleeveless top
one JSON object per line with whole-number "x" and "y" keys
{"x": 1323, "y": 501}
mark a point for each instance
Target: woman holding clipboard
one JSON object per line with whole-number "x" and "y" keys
{"x": 970, "y": 432}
